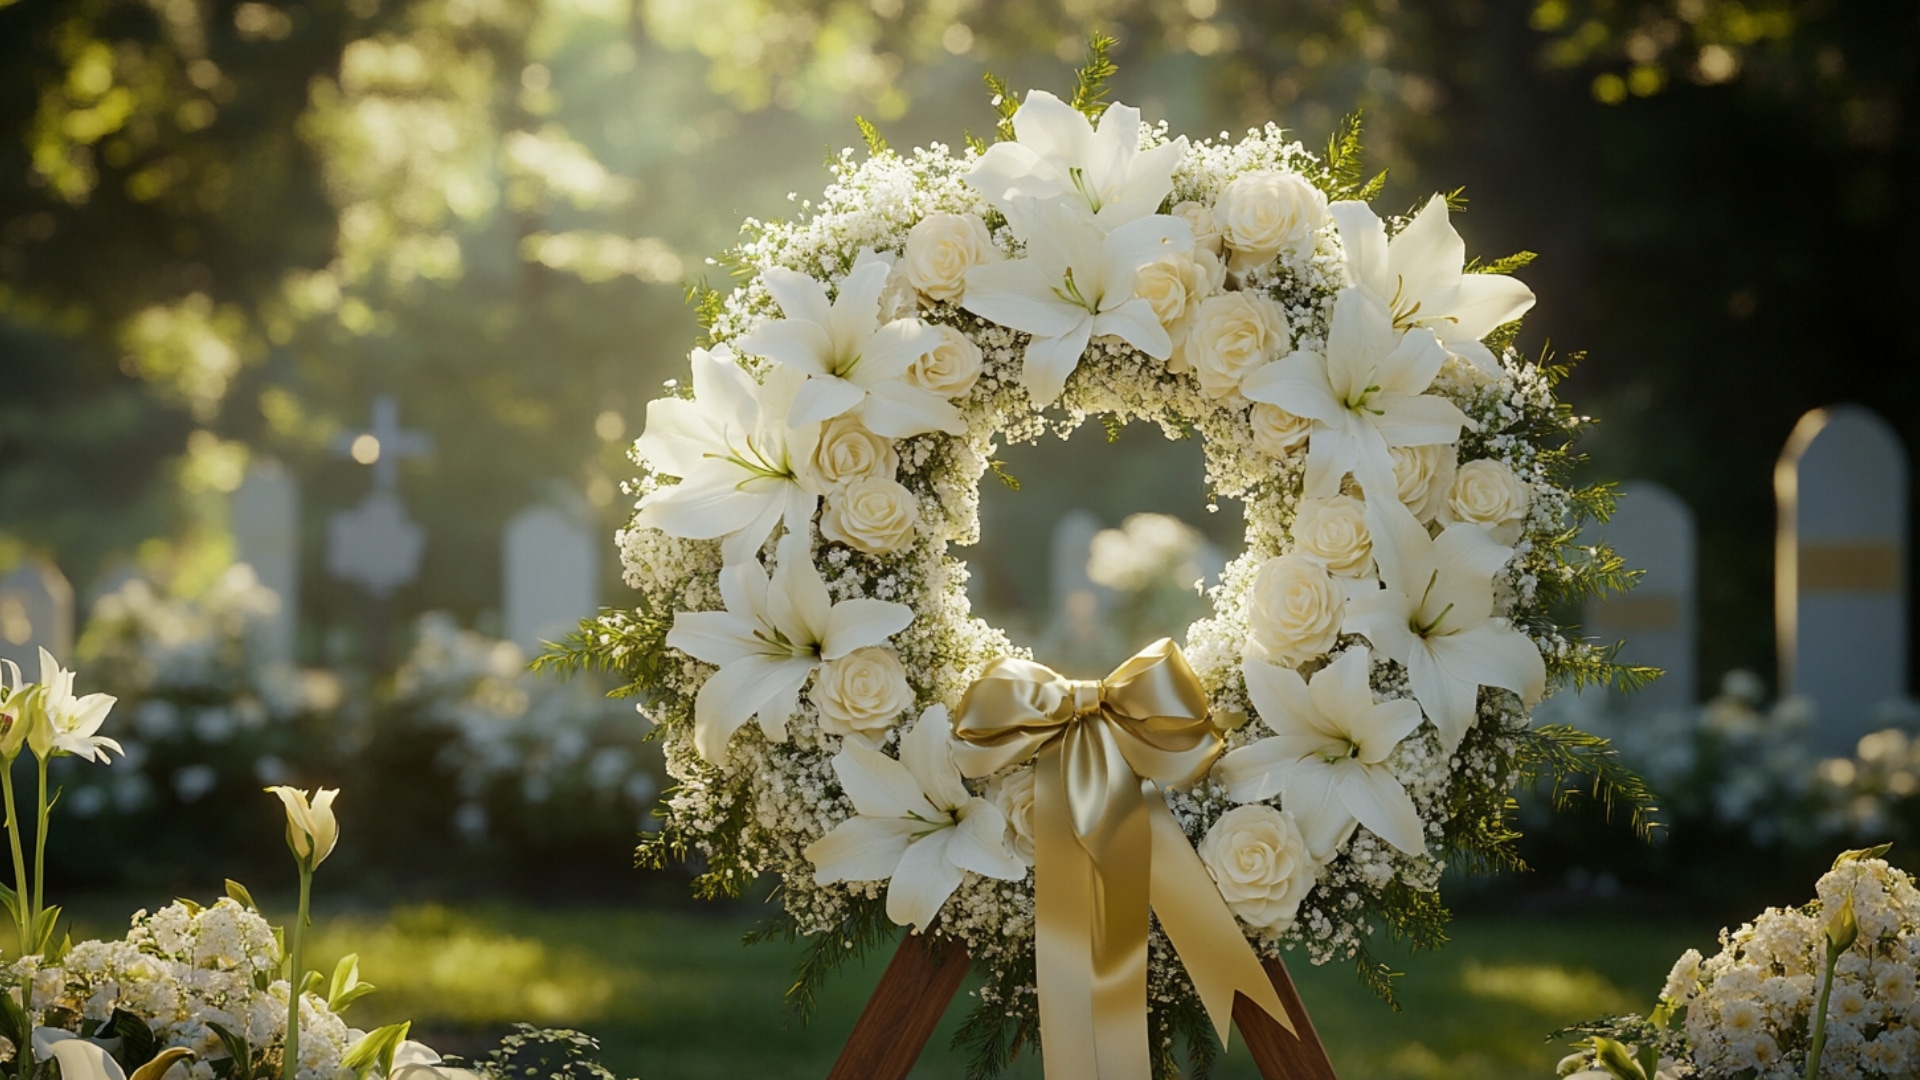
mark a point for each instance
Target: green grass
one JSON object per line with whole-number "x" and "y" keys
{"x": 675, "y": 996}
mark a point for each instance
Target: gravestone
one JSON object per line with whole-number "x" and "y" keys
{"x": 1652, "y": 529}
{"x": 551, "y": 577}
{"x": 266, "y": 536}
{"x": 36, "y": 610}
{"x": 375, "y": 545}
{"x": 1074, "y": 640}
{"x": 1840, "y": 570}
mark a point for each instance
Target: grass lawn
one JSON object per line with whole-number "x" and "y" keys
{"x": 675, "y": 996}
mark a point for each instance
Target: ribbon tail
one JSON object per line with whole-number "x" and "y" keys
{"x": 1203, "y": 931}
{"x": 1063, "y": 894}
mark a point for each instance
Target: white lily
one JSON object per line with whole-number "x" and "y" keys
{"x": 854, "y": 362}
{"x": 80, "y": 1059}
{"x": 1327, "y": 756}
{"x": 741, "y": 469}
{"x": 1057, "y": 153}
{"x": 1419, "y": 274}
{"x": 418, "y": 1061}
{"x": 312, "y": 830}
{"x": 1436, "y": 617}
{"x": 66, "y": 723}
{"x": 1076, "y": 283}
{"x": 916, "y": 824}
{"x": 1365, "y": 394}
{"x": 775, "y": 632}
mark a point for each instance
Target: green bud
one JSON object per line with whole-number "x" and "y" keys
{"x": 1862, "y": 854}
{"x": 1843, "y": 929}
{"x": 1615, "y": 1059}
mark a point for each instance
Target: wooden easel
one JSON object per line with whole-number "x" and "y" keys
{"x": 923, "y": 977}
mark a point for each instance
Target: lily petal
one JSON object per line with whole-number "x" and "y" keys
{"x": 861, "y": 849}
{"x": 924, "y": 880}
{"x": 731, "y": 696}
{"x": 1371, "y": 794}
{"x": 857, "y": 623}
{"x": 881, "y": 787}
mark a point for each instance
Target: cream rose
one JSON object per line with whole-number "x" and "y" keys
{"x": 1233, "y": 334}
{"x": 862, "y": 693}
{"x": 950, "y": 368}
{"x": 1293, "y": 610}
{"x": 1199, "y": 217}
{"x": 1423, "y": 475}
{"x": 1260, "y": 862}
{"x": 1488, "y": 494}
{"x": 1262, "y": 214}
{"x": 1335, "y": 532}
{"x": 941, "y": 248}
{"x": 1013, "y": 794}
{"x": 874, "y": 514}
{"x": 1174, "y": 287}
{"x": 848, "y": 451}
{"x": 1277, "y": 432}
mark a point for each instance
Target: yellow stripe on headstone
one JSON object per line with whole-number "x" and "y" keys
{"x": 1639, "y": 613}
{"x": 1849, "y": 566}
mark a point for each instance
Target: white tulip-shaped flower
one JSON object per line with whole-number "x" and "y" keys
{"x": 1419, "y": 274}
{"x": 1057, "y": 153}
{"x": 741, "y": 469}
{"x": 854, "y": 362}
{"x": 66, "y": 723}
{"x": 1436, "y": 617}
{"x": 775, "y": 632}
{"x": 1365, "y": 394}
{"x": 1075, "y": 283}
{"x": 916, "y": 826}
{"x": 312, "y": 830}
{"x": 1326, "y": 758}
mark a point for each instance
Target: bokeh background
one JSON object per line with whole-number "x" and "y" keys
{"x": 225, "y": 228}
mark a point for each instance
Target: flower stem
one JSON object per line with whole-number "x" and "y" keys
{"x": 296, "y": 976}
{"x": 19, "y": 860}
{"x": 1820, "y": 1018}
{"x": 40, "y": 849}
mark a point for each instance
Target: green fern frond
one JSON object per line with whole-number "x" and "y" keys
{"x": 1090, "y": 82}
{"x": 876, "y": 142}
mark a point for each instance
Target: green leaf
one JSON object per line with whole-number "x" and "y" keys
{"x": 1862, "y": 854}
{"x": 876, "y": 142}
{"x": 43, "y": 929}
{"x": 1090, "y": 82}
{"x": 236, "y": 1048}
{"x": 137, "y": 1044}
{"x": 12, "y": 901}
{"x": 1005, "y": 103}
{"x": 239, "y": 894}
{"x": 347, "y": 987}
{"x": 311, "y": 983}
{"x": 192, "y": 907}
{"x": 376, "y": 1047}
{"x": 157, "y": 1068}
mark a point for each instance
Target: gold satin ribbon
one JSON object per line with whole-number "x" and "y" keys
{"x": 1106, "y": 848}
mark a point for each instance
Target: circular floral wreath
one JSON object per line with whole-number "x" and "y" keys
{"x": 803, "y": 631}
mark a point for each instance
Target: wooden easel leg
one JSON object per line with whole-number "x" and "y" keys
{"x": 1279, "y": 1055}
{"x": 905, "y": 1008}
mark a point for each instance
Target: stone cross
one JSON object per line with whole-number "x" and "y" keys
{"x": 266, "y": 536}
{"x": 1840, "y": 570}
{"x": 384, "y": 443}
{"x": 36, "y": 609}
{"x": 375, "y": 545}
{"x": 550, "y": 575}
{"x": 1653, "y": 531}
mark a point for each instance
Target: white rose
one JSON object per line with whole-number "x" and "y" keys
{"x": 1423, "y": 475}
{"x": 1233, "y": 334}
{"x": 862, "y": 693}
{"x": 873, "y": 514}
{"x": 1294, "y": 610}
{"x": 1265, "y": 213}
{"x": 1199, "y": 217}
{"x": 1277, "y": 432}
{"x": 1260, "y": 862}
{"x": 1013, "y": 794}
{"x": 1173, "y": 287}
{"x": 950, "y": 368}
{"x": 848, "y": 451}
{"x": 1488, "y": 494}
{"x": 941, "y": 248}
{"x": 1335, "y": 532}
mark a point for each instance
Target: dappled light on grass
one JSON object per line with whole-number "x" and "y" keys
{"x": 1544, "y": 988}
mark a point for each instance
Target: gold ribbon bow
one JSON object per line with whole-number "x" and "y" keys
{"x": 1106, "y": 847}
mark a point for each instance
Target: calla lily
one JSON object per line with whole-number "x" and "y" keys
{"x": 775, "y": 632}
{"x": 64, "y": 724}
{"x": 917, "y": 826}
{"x": 1057, "y": 153}
{"x": 1075, "y": 283}
{"x": 1365, "y": 395}
{"x": 80, "y": 1059}
{"x": 13, "y": 710}
{"x": 311, "y": 828}
{"x": 854, "y": 363}
{"x": 741, "y": 469}
{"x": 418, "y": 1061}
{"x": 1419, "y": 274}
{"x": 1327, "y": 756}
{"x": 1436, "y": 617}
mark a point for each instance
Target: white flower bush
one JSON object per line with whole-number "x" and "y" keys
{"x": 1088, "y": 264}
